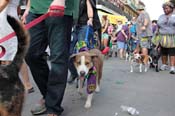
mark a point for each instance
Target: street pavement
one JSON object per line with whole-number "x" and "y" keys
{"x": 151, "y": 93}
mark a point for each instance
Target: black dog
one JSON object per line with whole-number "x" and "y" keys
{"x": 11, "y": 87}
{"x": 155, "y": 55}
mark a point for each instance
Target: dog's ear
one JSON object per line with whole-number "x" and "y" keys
{"x": 93, "y": 55}
{"x": 72, "y": 57}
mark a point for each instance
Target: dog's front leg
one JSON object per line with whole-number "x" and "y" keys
{"x": 140, "y": 67}
{"x": 80, "y": 86}
{"x": 131, "y": 66}
{"x": 146, "y": 67}
{"x": 89, "y": 101}
{"x": 126, "y": 56}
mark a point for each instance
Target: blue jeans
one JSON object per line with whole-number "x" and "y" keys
{"x": 72, "y": 50}
{"x": 55, "y": 32}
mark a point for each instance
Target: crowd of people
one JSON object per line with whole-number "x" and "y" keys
{"x": 72, "y": 18}
{"x": 137, "y": 35}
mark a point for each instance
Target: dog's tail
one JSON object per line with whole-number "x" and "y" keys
{"x": 23, "y": 42}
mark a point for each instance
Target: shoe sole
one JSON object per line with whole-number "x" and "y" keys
{"x": 40, "y": 112}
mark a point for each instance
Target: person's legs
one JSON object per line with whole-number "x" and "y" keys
{"x": 34, "y": 58}
{"x": 164, "y": 58}
{"x": 144, "y": 51}
{"x": 71, "y": 66}
{"x": 172, "y": 60}
{"x": 105, "y": 39}
{"x": 121, "y": 46}
{"x": 59, "y": 31}
{"x": 25, "y": 78}
{"x": 145, "y": 45}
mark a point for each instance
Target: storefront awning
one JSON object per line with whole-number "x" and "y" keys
{"x": 113, "y": 18}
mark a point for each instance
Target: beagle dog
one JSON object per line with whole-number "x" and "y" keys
{"x": 141, "y": 60}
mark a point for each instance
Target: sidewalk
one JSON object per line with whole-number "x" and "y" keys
{"x": 151, "y": 93}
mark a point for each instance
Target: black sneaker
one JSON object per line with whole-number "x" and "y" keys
{"x": 71, "y": 79}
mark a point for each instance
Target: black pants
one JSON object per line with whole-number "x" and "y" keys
{"x": 55, "y": 32}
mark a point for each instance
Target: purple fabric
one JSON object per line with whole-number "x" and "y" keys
{"x": 120, "y": 36}
{"x": 91, "y": 83}
{"x": 83, "y": 49}
{"x": 91, "y": 80}
{"x": 154, "y": 27}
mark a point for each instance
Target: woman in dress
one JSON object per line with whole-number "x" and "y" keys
{"x": 166, "y": 29}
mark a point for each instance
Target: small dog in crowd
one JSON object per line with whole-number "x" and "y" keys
{"x": 89, "y": 63}
{"x": 155, "y": 55}
{"x": 11, "y": 87}
{"x": 141, "y": 60}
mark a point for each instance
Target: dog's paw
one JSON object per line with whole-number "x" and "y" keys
{"x": 97, "y": 89}
{"x": 87, "y": 105}
{"x": 131, "y": 70}
{"x": 80, "y": 91}
{"x": 81, "y": 94}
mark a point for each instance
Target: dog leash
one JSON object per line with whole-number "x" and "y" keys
{"x": 31, "y": 24}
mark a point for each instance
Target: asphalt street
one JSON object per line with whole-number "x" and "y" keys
{"x": 151, "y": 93}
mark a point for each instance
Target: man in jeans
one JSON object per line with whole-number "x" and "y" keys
{"x": 55, "y": 32}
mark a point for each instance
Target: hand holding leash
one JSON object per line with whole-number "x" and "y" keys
{"x": 90, "y": 22}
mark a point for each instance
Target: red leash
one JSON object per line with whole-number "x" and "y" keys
{"x": 28, "y": 26}
{"x": 31, "y": 24}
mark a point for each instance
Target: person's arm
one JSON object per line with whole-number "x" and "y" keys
{"x": 123, "y": 32}
{"x": 106, "y": 26}
{"x": 26, "y": 12}
{"x": 89, "y": 13}
{"x": 145, "y": 23}
{"x": 3, "y": 4}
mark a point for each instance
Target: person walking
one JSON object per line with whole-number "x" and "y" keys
{"x": 166, "y": 30}
{"x": 144, "y": 30}
{"x": 122, "y": 37}
{"x": 87, "y": 19}
{"x": 54, "y": 31}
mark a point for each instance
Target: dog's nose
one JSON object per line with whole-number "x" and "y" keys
{"x": 82, "y": 73}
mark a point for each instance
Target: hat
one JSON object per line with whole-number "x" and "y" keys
{"x": 173, "y": 1}
{"x": 170, "y": 4}
{"x": 140, "y": 7}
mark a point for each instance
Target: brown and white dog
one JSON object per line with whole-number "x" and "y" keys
{"x": 141, "y": 60}
{"x": 11, "y": 87}
{"x": 84, "y": 61}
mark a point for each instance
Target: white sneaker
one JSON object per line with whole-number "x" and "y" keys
{"x": 163, "y": 67}
{"x": 172, "y": 70}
